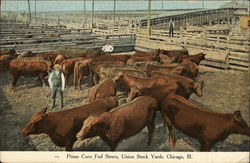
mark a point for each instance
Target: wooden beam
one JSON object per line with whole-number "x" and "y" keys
{"x": 162, "y": 5}
{"x": 29, "y": 10}
{"x": 114, "y": 12}
{"x": 92, "y": 13}
{"x": 35, "y": 12}
{"x": 85, "y": 12}
{"x": 84, "y": 18}
{"x": 149, "y": 18}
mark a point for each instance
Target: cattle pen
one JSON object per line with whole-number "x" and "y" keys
{"x": 218, "y": 33}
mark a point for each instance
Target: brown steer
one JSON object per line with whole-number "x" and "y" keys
{"x": 4, "y": 62}
{"x": 50, "y": 56}
{"x": 63, "y": 126}
{"x": 139, "y": 82}
{"x": 187, "y": 86}
{"x": 68, "y": 67}
{"x": 105, "y": 88}
{"x": 25, "y": 54}
{"x": 123, "y": 122}
{"x": 11, "y": 52}
{"x": 98, "y": 62}
{"x": 208, "y": 126}
{"x": 158, "y": 92}
{"x": 145, "y": 56}
{"x": 165, "y": 69}
{"x": 81, "y": 70}
{"x": 27, "y": 67}
{"x": 194, "y": 58}
{"x": 190, "y": 69}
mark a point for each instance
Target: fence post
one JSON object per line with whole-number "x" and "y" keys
{"x": 227, "y": 63}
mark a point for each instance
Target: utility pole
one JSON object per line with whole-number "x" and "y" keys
{"x": 85, "y": 13}
{"x": 29, "y": 10}
{"x": 92, "y": 13}
{"x": 203, "y": 5}
{"x": 149, "y": 18}
{"x": 162, "y": 5}
{"x": 16, "y": 9}
{"x": 84, "y": 18}
{"x": 35, "y": 12}
{"x": 114, "y": 13}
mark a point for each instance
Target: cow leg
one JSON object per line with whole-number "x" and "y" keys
{"x": 111, "y": 143}
{"x": 170, "y": 127}
{"x": 67, "y": 79}
{"x": 42, "y": 79}
{"x": 206, "y": 146}
{"x": 151, "y": 127}
{"x": 10, "y": 78}
{"x": 113, "y": 146}
{"x": 14, "y": 81}
{"x": 80, "y": 82}
{"x": 75, "y": 80}
{"x": 69, "y": 146}
{"x": 95, "y": 79}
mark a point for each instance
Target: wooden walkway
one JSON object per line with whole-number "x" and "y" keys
{"x": 195, "y": 17}
{"x": 23, "y": 37}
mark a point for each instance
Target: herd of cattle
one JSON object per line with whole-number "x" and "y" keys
{"x": 171, "y": 77}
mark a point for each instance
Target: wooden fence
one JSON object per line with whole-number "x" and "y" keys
{"x": 224, "y": 48}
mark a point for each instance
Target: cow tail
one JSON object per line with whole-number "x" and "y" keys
{"x": 63, "y": 68}
{"x": 91, "y": 73}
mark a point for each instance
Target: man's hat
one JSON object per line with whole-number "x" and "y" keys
{"x": 57, "y": 66}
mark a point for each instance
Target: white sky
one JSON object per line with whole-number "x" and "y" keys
{"x": 73, "y": 5}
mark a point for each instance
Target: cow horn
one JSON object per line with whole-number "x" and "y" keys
{"x": 44, "y": 110}
{"x": 237, "y": 115}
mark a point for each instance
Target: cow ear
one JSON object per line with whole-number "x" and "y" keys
{"x": 237, "y": 115}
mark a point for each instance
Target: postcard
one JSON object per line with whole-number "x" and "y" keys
{"x": 124, "y": 81}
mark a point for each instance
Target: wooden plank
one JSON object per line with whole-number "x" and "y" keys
{"x": 239, "y": 56}
{"x": 211, "y": 63}
{"x": 238, "y": 63}
{"x": 239, "y": 68}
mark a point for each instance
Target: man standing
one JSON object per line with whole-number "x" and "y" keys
{"x": 171, "y": 29}
{"x": 57, "y": 84}
{"x": 107, "y": 48}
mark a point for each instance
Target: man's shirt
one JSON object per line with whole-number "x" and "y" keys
{"x": 107, "y": 48}
{"x": 62, "y": 78}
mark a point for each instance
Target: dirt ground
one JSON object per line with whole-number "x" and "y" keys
{"x": 225, "y": 91}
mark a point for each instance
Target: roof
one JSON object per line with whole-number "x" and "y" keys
{"x": 234, "y": 4}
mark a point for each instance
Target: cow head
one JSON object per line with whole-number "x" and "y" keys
{"x": 118, "y": 77}
{"x": 202, "y": 56}
{"x": 34, "y": 126}
{"x": 89, "y": 128}
{"x": 241, "y": 126}
{"x": 134, "y": 92}
{"x": 177, "y": 70}
{"x": 12, "y": 51}
{"x": 49, "y": 66}
{"x": 197, "y": 87}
